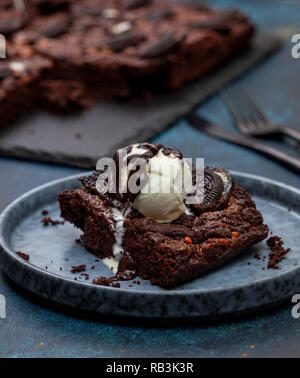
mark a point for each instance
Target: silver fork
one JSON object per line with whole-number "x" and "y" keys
{"x": 249, "y": 118}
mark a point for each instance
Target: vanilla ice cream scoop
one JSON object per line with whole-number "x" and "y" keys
{"x": 168, "y": 181}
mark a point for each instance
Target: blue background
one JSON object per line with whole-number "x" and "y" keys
{"x": 37, "y": 329}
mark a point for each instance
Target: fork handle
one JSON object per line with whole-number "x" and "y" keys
{"x": 224, "y": 134}
{"x": 265, "y": 149}
{"x": 291, "y": 133}
{"x": 278, "y": 155}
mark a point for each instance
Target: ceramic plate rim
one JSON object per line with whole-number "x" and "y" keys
{"x": 5, "y": 248}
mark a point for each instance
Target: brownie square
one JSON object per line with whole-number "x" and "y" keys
{"x": 167, "y": 254}
{"x": 122, "y": 49}
{"x": 19, "y": 81}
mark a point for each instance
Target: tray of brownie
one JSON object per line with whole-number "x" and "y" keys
{"x": 82, "y": 78}
{"x": 162, "y": 248}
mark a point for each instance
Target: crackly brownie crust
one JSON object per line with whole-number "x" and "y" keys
{"x": 19, "y": 82}
{"x": 125, "y": 48}
{"x": 116, "y": 49}
{"x": 168, "y": 254}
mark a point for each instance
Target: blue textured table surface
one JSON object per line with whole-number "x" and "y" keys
{"x": 35, "y": 329}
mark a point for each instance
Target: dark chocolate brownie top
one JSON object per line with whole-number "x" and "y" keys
{"x": 144, "y": 32}
{"x": 20, "y": 72}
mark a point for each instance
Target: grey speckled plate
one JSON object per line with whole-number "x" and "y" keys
{"x": 232, "y": 289}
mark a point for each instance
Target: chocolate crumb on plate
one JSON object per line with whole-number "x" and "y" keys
{"x": 78, "y": 268}
{"x": 45, "y": 212}
{"x": 24, "y": 256}
{"x": 47, "y": 220}
{"x": 104, "y": 281}
{"x": 277, "y": 254}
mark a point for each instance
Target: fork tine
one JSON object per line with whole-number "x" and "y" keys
{"x": 255, "y": 109}
{"x": 235, "y": 109}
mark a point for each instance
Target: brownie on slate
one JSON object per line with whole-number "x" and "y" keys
{"x": 19, "y": 85}
{"x": 114, "y": 49}
{"x": 164, "y": 239}
{"x": 134, "y": 48}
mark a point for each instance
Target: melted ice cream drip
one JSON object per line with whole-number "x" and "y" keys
{"x": 117, "y": 222}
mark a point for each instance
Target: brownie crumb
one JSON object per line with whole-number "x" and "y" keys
{"x": 277, "y": 254}
{"x": 23, "y": 255}
{"x": 103, "y": 281}
{"x": 257, "y": 256}
{"x": 78, "y": 241}
{"x": 78, "y": 268}
{"x": 85, "y": 275}
{"x": 93, "y": 267}
{"x": 47, "y": 220}
{"x": 45, "y": 212}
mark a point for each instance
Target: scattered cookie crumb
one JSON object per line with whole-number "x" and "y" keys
{"x": 103, "y": 281}
{"x": 78, "y": 268}
{"x": 45, "y": 212}
{"x": 47, "y": 220}
{"x": 277, "y": 254}
{"x": 85, "y": 275}
{"x": 24, "y": 256}
{"x": 257, "y": 256}
{"x": 93, "y": 267}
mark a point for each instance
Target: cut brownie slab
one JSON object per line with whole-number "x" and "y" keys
{"x": 121, "y": 48}
{"x": 170, "y": 253}
{"x": 19, "y": 82}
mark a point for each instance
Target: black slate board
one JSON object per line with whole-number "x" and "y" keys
{"x": 108, "y": 126}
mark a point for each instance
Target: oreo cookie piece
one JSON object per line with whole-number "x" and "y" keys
{"x": 166, "y": 43}
{"x": 218, "y": 184}
{"x": 226, "y": 178}
{"x": 120, "y": 41}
